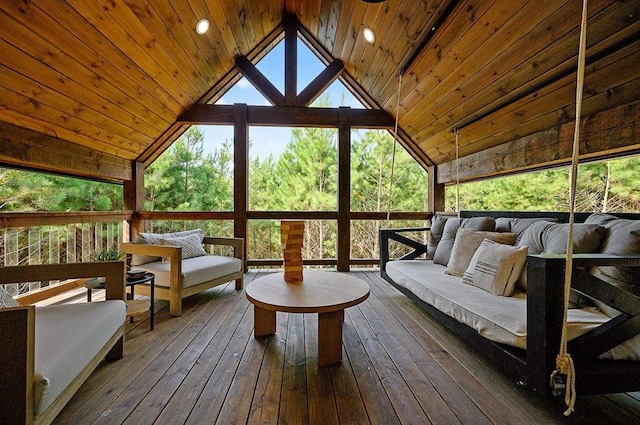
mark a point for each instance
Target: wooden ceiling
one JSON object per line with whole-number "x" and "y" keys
{"x": 112, "y": 77}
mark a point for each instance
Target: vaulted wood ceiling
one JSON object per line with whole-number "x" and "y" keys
{"x": 113, "y": 77}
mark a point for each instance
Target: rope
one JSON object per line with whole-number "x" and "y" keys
{"x": 393, "y": 152}
{"x": 455, "y": 130}
{"x": 564, "y": 362}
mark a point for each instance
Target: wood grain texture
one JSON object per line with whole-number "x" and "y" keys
{"x": 122, "y": 77}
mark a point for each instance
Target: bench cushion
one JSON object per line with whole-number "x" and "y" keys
{"x": 500, "y": 319}
{"x": 196, "y": 270}
{"x": 68, "y": 337}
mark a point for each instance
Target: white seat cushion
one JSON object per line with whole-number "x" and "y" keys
{"x": 196, "y": 270}
{"x": 68, "y": 337}
{"x": 500, "y": 319}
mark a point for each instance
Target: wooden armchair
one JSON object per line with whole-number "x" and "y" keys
{"x": 180, "y": 278}
{"x": 21, "y": 368}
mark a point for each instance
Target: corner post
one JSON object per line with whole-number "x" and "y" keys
{"x": 134, "y": 200}
{"x": 240, "y": 174}
{"x": 344, "y": 189}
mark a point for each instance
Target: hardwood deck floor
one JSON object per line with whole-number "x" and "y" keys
{"x": 399, "y": 366}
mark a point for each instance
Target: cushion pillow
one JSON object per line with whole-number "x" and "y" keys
{"x": 495, "y": 267}
{"x": 6, "y": 300}
{"x": 437, "y": 227}
{"x": 518, "y": 225}
{"x": 622, "y": 237}
{"x": 191, "y": 245}
{"x": 465, "y": 245}
{"x": 544, "y": 237}
{"x": 451, "y": 226}
{"x": 153, "y": 239}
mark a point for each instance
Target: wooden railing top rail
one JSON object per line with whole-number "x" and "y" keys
{"x": 45, "y": 218}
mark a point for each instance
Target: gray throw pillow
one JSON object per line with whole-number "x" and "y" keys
{"x": 154, "y": 239}
{"x": 191, "y": 245}
{"x": 445, "y": 246}
{"x": 518, "y": 225}
{"x": 543, "y": 237}
{"x": 437, "y": 227}
{"x": 622, "y": 237}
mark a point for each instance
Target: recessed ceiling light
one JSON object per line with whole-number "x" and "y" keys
{"x": 202, "y": 26}
{"x": 369, "y": 35}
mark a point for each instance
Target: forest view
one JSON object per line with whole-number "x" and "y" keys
{"x": 304, "y": 178}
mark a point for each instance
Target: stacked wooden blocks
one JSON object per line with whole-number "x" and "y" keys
{"x": 291, "y": 238}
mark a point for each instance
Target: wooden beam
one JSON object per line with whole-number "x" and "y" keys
{"x": 47, "y": 218}
{"x": 344, "y": 190}
{"x": 259, "y": 81}
{"x": 295, "y": 116}
{"x": 290, "y": 59}
{"x": 134, "y": 200}
{"x": 240, "y": 173}
{"x": 29, "y": 149}
{"x": 435, "y": 191}
{"x": 320, "y": 83}
{"x": 607, "y": 134}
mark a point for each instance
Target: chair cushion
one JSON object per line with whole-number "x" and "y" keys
{"x": 68, "y": 337}
{"x": 196, "y": 270}
{"x": 518, "y": 225}
{"x": 437, "y": 227}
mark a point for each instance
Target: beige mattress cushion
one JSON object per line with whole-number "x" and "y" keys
{"x": 68, "y": 337}
{"x": 500, "y": 319}
{"x": 196, "y": 270}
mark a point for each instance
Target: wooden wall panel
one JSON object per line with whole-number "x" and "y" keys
{"x": 26, "y": 148}
{"x": 606, "y": 134}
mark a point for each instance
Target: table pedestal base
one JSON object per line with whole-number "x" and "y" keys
{"x": 329, "y": 332}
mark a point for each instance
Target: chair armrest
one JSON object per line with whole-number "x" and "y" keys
{"x": 236, "y": 243}
{"x": 394, "y": 234}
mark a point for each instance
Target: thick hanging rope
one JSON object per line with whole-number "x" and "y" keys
{"x": 455, "y": 130}
{"x": 393, "y": 152}
{"x": 564, "y": 362}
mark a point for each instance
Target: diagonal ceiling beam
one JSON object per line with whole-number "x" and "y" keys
{"x": 320, "y": 83}
{"x": 259, "y": 81}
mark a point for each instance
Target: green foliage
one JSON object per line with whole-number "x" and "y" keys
{"x": 108, "y": 254}
{"x": 27, "y": 191}
{"x": 608, "y": 186}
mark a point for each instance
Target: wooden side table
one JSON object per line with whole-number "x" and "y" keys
{"x": 134, "y": 307}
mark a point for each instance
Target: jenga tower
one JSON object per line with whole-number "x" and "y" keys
{"x": 291, "y": 238}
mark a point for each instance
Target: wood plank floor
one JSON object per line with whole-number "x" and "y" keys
{"x": 399, "y": 367}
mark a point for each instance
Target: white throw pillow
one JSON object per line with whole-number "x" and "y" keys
{"x": 467, "y": 242}
{"x": 495, "y": 267}
{"x": 191, "y": 245}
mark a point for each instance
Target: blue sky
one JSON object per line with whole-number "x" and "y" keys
{"x": 273, "y": 140}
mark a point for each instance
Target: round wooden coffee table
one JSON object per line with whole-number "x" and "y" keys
{"x": 325, "y": 293}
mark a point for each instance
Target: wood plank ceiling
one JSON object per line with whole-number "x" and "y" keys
{"x": 113, "y": 76}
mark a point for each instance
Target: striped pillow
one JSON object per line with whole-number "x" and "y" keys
{"x": 495, "y": 267}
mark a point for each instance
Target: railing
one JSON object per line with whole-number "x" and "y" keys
{"x": 47, "y": 238}
{"x": 53, "y": 238}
